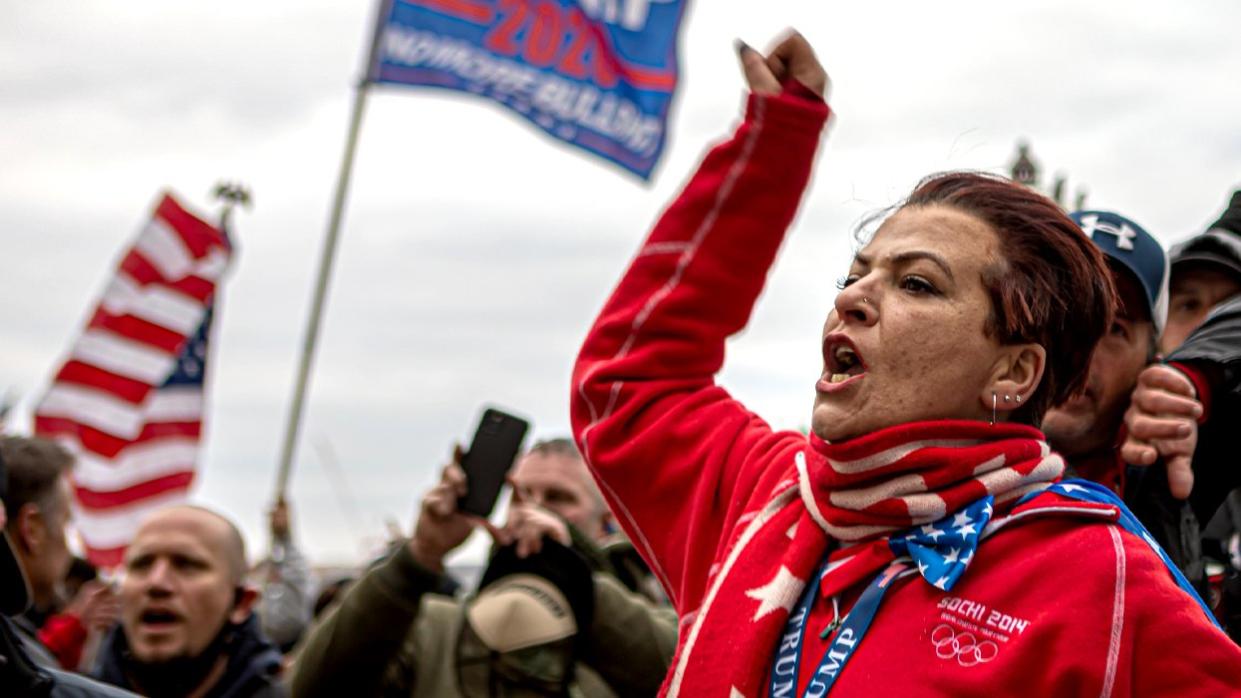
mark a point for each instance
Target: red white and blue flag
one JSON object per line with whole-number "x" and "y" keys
{"x": 129, "y": 399}
{"x": 598, "y": 74}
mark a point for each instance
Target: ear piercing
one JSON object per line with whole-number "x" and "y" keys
{"x": 994, "y": 400}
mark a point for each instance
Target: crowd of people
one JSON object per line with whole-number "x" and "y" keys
{"x": 1019, "y": 479}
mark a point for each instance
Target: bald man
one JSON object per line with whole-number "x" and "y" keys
{"x": 187, "y": 626}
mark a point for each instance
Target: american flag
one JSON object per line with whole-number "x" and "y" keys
{"x": 128, "y": 401}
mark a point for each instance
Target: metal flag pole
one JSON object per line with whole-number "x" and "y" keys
{"x": 326, "y": 259}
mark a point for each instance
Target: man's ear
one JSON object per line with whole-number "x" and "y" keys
{"x": 31, "y": 528}
{"x": 244, "y": 598}
{"x": 1014, "y": 377}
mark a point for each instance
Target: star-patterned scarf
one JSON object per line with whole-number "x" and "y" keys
{"x": 925, "y": 490}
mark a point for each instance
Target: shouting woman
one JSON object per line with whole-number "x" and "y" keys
{"x": 918, "y": 540}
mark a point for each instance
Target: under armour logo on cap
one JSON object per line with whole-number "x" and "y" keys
{"x": 1124, "y": 234}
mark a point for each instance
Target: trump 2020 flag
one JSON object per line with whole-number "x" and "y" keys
{"x": 599, "y": 74}
{"x": 128, "y": 401}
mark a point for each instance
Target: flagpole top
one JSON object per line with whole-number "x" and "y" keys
{"x": 231, "y": 195}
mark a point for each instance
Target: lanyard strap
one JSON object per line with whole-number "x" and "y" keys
{"x": 1086, "y": 491}
{"x": 784, "y": 670}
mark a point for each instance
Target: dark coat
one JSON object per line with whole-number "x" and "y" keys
{"x": 21, "y": 676}
{"x": 253, "y": 669}
{"x": 1214, "y": 349}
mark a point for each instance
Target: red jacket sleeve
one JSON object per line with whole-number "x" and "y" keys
{"x": 64, "y": 635}
{"x": 670, "y": 448}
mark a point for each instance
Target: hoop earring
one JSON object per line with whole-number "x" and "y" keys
{"x": 993, "y": 408}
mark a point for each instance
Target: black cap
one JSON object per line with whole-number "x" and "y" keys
{"x": 1231, "y": 220}
{"x": 1218, "y": 248}
{"x": 14, "y": 591}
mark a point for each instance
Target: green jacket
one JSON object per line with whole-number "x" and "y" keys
{"x": 391, "y": 636}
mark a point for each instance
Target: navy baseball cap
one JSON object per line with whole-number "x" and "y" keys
{"x": 14, "y": 592}
{"x": 1136, "y": 250}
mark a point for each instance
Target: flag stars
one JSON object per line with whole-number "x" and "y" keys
{"x": 967, "y": 530}
{"x": 961, "y": 519}
{"x": 953, "y": 555}
{"x": 931, "y": 532}
{"x": 778, "y": 594}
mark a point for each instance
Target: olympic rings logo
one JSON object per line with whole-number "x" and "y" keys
{"x": 965, "y": 647}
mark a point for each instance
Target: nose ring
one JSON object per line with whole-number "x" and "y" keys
{"x": 865, "y": 300}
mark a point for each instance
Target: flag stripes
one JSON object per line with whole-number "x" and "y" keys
{"x": 128, "y": 401}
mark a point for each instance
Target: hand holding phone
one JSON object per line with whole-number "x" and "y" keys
{"x": 441, "y": 527}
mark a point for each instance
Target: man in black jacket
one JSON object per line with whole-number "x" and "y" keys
{"x": 1186, "y": 410}
{"x": 20, "y": 675}
{"x": 187, "y": 626}
{"x": 38, "y": 508}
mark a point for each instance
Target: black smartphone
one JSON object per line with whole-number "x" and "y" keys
{"x": 492, "y": 452}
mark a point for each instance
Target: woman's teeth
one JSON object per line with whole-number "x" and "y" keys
{"x": 837, "y": 378}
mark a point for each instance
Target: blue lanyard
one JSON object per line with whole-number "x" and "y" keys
{"x": 784, "y": 669}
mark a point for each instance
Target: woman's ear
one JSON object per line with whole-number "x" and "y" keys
{"x": 1014, "y": 378}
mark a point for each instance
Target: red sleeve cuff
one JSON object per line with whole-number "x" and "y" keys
{"x": 798, "y": 111}
{"x": 1201, "y": 386}
{"x": 797, "y": 88}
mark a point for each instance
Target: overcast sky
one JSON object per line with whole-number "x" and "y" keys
{"x": 475, "y": 251}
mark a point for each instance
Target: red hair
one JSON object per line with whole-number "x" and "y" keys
{"x": 1052, "y": 287}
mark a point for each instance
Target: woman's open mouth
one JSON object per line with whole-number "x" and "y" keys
{"x": 842, "y": 364}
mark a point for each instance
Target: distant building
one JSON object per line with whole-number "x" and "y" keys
{"x": 1025, "y": 170}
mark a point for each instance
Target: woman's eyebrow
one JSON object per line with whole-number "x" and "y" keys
{"x": 912, "y": 255}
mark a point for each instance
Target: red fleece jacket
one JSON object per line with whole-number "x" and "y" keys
{"x": 717, "y": 501}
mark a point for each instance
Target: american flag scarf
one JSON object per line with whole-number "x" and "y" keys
{"x": 862, "y": 500}
{"x": 925, "y": 490}
{"x": 847, "y": 501}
